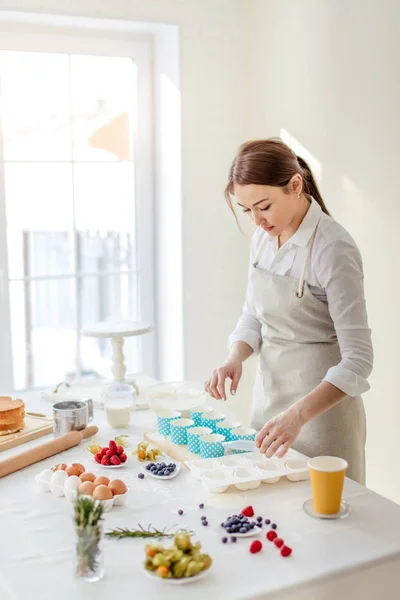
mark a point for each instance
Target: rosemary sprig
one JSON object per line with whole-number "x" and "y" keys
{"x": 141, "y": 532}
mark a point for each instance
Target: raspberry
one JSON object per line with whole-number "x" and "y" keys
{"x": 114, "y": 460}
{"x": 103, "y": 451}
{"x": 255, "y": 546}
{"x": 119, "y": 450}
{"x": 105, "y": 461}
{"x": 248, "y": 511}
{"x": 123, "y": 457}
{"x": 286, "y": 551}
{"x": 98, "y": 457}
{"x": 271, "y": 535}
{"x": 110, "y": 453}
{"x": 112, "y": 446}
{"x": 278, "y": 542}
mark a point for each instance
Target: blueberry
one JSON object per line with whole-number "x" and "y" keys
{"x": 180, "y": 512}
{"x": 167, "y": 473}
{"x": 205, "y": 523}
{"x": 274, "y": 526}
{"x": 203, "y": 518}
{"x": 222, "y": 524}
{"x": 229, "y": 530}
{"x": 252, "y": 525}
{"x": 242, "y": 530}
{"x": 224, "y": 540}
{"x": 201, "y": 506}
{"x": 259, "y": 519}
{"x": 141, "y": 475}
{"x": 267, "y": 521}
{"x": 259, "y": 524}
{"x": 148, "y": 467}
{"x": 233, "y": 539}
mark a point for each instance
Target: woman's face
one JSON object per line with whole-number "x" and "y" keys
{"x": 271, "y": 208}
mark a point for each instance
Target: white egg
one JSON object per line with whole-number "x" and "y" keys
{"x": 58, "y": 479}
{"x": 46, "y": 475}
{"x": 57, "y": 491}
{"x": 72, "y": 483}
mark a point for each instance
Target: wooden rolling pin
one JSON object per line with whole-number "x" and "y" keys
{"x": 29, "y": 457}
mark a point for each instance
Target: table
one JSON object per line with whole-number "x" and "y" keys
{"x": 355, "y": 558}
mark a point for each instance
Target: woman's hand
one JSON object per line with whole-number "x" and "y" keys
{"x": 230, "y": 369}
{"x": 280, "y": 433}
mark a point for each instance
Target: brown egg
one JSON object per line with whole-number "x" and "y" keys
{"x": 87, "y": 477}
{"x": 102, "y": 492}
{"x": 101, "y": 481}
{"x": 79, "y": 467}
{"x": 86, "y": 488}
{"x": 72, "y": 471}
{"x": 117, "y": 487}
{"x": 59, "y": 467}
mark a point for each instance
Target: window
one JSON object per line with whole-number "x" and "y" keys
{"x": 76, "y": 222}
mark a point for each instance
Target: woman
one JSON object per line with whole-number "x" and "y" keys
{"x": 304, "y": 313}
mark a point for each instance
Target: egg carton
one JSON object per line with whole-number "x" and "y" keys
{"x": 248, "y": 471}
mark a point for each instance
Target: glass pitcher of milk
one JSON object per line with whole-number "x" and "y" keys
{"x": 119, "y": 400}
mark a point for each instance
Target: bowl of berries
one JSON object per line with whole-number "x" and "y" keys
{"x": 162, "y": 470}
{"x": 112, "y": 456}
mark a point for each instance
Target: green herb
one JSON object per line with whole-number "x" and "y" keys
{"x": 88, "y": 518}
{"x": 141, "y": 532}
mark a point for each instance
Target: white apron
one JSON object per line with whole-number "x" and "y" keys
{"x": 299, "y": 345}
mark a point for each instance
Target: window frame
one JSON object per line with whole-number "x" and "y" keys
{"x": 100, "y": 43}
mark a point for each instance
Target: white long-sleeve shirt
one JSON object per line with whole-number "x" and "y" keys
{"x": 335, "y": 276}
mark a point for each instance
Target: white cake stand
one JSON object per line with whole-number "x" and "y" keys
{"x": 117, "y": 331}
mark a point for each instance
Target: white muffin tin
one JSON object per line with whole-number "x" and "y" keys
{"x": 248, "y": 470}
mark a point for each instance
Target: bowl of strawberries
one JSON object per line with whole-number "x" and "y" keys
{"x": 112, "y": 456}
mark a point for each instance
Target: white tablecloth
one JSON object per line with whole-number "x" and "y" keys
{"x": 355, "y": 558}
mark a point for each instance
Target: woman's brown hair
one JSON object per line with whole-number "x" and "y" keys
{"x": 270, "y": 162}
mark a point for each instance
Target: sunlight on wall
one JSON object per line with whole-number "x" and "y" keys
{"x": 300, "y": 150}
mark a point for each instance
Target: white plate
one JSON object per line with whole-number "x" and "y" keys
{"x": 174, "y": 474}
{"x": 110, "y": 466}
{"x": 251, "y": 533}
{"x": 180, "y": 581}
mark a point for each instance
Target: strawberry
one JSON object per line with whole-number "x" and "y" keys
{"x": 98, "y": 457}
{"x": 120, "y": 450}
{"x": 271, "y": 535}
{"x": 248, "y": 511}
{"x": 123, "y": 457}
{"x": 110, "y": 453}
{"x": 105, "y": 461}
{"x": 112, "y": 446}
{"x": 255, "y": 546}
{"x": 278, "y": 542}
{"x": 103, "y": 451}
{"x": 114, "y": 460}
{"x": 286, "y": 551}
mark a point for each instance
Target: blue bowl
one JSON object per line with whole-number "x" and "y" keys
{"x": 193, "y": 435}
{"x": 179, "y": 431}
{"x": 243, "y": 433}
{"x": 211, "y": 445}
{"x": 164, "y": 419}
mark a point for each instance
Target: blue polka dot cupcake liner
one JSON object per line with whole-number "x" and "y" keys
{"x": 211, "y": 445}
{"x": 225, "y": 428}
{"x": 197, "y": 412}
{"x": 243, "y": 433}
{"x": 164, "y": 419}
{"x": 193, "y": 435}
{"x": 211, "y": 420}
{"x": 179, "y": 431}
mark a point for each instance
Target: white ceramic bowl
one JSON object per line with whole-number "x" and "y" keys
{"x": 294, "y": 465}
{"x": 245, "y": 473}
{"x": 267, "y": 468}
{"x": 217, "y": 478}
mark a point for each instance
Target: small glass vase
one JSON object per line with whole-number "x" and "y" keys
{"x": 89, "y": 553}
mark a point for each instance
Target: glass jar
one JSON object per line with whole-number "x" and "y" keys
{"x": 118, "y": 404}
{"x": 89, "y": 553}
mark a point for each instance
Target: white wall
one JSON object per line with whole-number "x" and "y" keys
{"x": 214, "y": 115}
{"x": 328, "y": 72}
